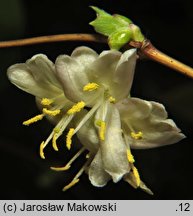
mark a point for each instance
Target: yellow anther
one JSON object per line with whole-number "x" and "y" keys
{"x": 137, "y": 136}
{"x": 54, "y": 144}
{"x": 60, "y": 168}
{"x": 69, "y": 138}
{"x": 90, "y": 87}
{"x": 33, "y": 120}
{"x": 112, "y": 99}
{"x": 75, "y": 181}
{"x": 42, "y": 150}
{"x": 51, "y": 112}
{"x": 102, "y": 129}
{"x": 130, "y": 156}
{"x": 76, "y": 108}
{"x": 46, "y": 101}
{"x": 136, "y": 174}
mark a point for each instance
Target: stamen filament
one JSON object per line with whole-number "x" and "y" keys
{"x": 62, "y": 126}
{"x": 68, "y": 165}
{"x": 76, "y": 178}
{"x": 33, "y": 120}
{"x": 72, "y": 183}
{"x": 87, "y": 116}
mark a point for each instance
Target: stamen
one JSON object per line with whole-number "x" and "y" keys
{"x": 76, "y": 108}
{"x": 137, "y": 136}
{"x": 46, "y": 101}
{"x": 87, "y": 156}
{"x": 136, "y": 174}
{"x": 90, "y": 87}
{"x": 51, "y": 112}
{"x": 130, "y": 156}
{"x": 102, "y": 129}
{"x": 55, "y": 136}
{"x": 42, "y": 146}
{"x": 72, "y": 183}
{"x": 112, "y": 99}
{"x": 76, "y": 178}
{"x": 33, "y": 120}
{"x": 69, "y": 138}
{"x": 87, "y": 116}
{"x": 62, "y": 126}
{"x": 68, "y": 165}
{"x": 61, "y": 168}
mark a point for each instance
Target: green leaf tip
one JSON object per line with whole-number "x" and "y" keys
{"x": 119, "y": 29}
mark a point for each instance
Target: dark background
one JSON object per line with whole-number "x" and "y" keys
{"x": 168, "y": 171}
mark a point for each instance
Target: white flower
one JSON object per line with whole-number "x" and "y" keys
{"x": 106, "y": 119}
{"x": 37, "y": 77}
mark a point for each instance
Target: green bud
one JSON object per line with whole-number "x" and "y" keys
{"x": 122, "y": 19}
{"x": 119, "y": 38}
{"x": 136, "y": 33}
{"x": 107, "y": 24}
{"x": 119, "y": 29}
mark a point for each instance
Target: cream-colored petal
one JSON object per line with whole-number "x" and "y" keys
{"x": 150, "y": 118}
{"x": 20, "y": 76}
{"x": 73, "y": 77}
{"x": 84, "y": 55}
{"x": 129, "y": 178}
{"x": 103, "y": 68}
{"x": 97, "y": 175}
{"x": 42, "y": 70}
{"x": 123, "y": 77}
{"x": 115, "y": 71}
{"x": 134, "y": 108}
{"x": 35, "y": 77}
{"x": 113, "y": 148}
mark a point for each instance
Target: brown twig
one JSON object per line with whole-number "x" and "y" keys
{"x": 145, "y": 48}
{"x": 54, "y": 38}
{"x": 154, "y": 54}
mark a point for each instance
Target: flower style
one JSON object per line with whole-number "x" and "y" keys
{"x": 94, "y": 91}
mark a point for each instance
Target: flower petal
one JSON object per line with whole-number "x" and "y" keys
{"x": 115, "y": 71}
{"x": 103, "y": 68}
{"x": 73, "y": 77}
{"x": 30, "y": 77}
{"x": 84, "y": 55}
{"x": 123, "y": 77}
{"x": 113, "y": 148}
{"x": 87, "y": 134}
{"x": 43, "y": 70}
{"x": 151, "y": 119}
{"x": 97, "y": 175}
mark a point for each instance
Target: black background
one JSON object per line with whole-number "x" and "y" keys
{"x": 168, "y": 170}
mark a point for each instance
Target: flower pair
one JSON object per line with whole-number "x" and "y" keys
{"x": 89, "y": 94}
